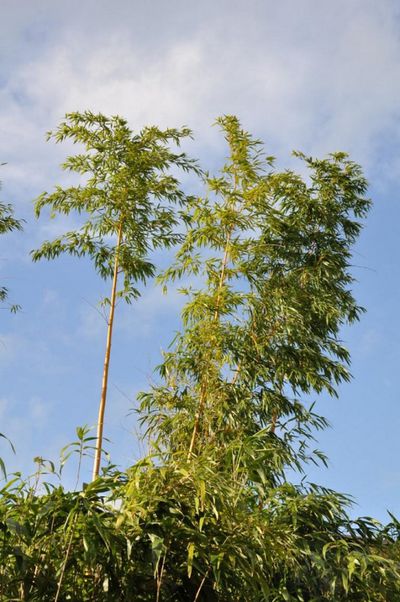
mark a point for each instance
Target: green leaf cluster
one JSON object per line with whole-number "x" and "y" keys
{"x": 189, "y": 532}
{"x": 127, "y": 184}
{"x": 8, "y": 223}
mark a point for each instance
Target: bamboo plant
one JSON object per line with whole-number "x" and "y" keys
{"x": 126, "y": 201}
{"x": 274, "y": 255}
{"x": 212, "y": 514}
{"x": 234, "y": 409}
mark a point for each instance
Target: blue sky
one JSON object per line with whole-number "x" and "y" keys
{"x": 310, "y": 75}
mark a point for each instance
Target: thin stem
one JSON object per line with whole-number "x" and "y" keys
{"x": 78, "y": 473}
{"x": 223, "y": 273}
{"x": 197, "y": 419}
{"x": 202, "y": 400}
{"x": 221, "y": 281}
{"x": 67, "y": 553}
{"x": 201, "y": 585}
{"x": 237, "y": 373}
{"x": 274, "y": 420}
{"x": 103, "y": 397}
{"x": 275, "y": 415}
{"x": 159, "y": 579}
{"x": 203, "y": 386}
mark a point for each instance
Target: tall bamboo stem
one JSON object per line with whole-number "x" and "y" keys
{"x": 197, "y": 419}
{"x": 222, "y": 276}
{"x": 103, "y": 397}
{"x": 203, "y": 392}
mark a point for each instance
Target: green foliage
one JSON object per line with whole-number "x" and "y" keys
{"x": 273, "y": 252}
{"x": 8, "y": 223}
{"x": 194, "y": 533}
{"x": 209, "y": 514}
{"x": 127, "y": 184}
{"x": 232, "y": 410}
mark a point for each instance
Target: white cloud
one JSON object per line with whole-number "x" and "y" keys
{"x": 307, "y": 75}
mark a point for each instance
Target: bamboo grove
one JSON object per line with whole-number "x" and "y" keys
{"x": 209, "y": 513}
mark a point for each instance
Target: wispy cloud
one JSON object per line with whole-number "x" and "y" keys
{"x": 307, "y": 75}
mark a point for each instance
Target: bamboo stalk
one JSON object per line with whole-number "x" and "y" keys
{"x": 224, "y": 263}
{"x": 197, "y": 420}
{"x": 67, "y": 553}
{"x": 222, "y": 277}
{"x": 274, "y": 420}
{"x": 203, "y": 392}
{"x": 103, "y": 397}
{"x": 201, "y": 585}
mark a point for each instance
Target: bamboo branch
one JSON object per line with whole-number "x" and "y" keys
{"x": 103, "y": 397}
{"x": 201, "y": 585}
{"x": 224, "y": 263}
{"x": 67, "y": 553}
{"x": 237, "y": 373}
{"x": 197, "y": 419}
{"x": 274, "y": 420}
{"x": 222, "y": 277}
{"x": 202, "y": 400}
